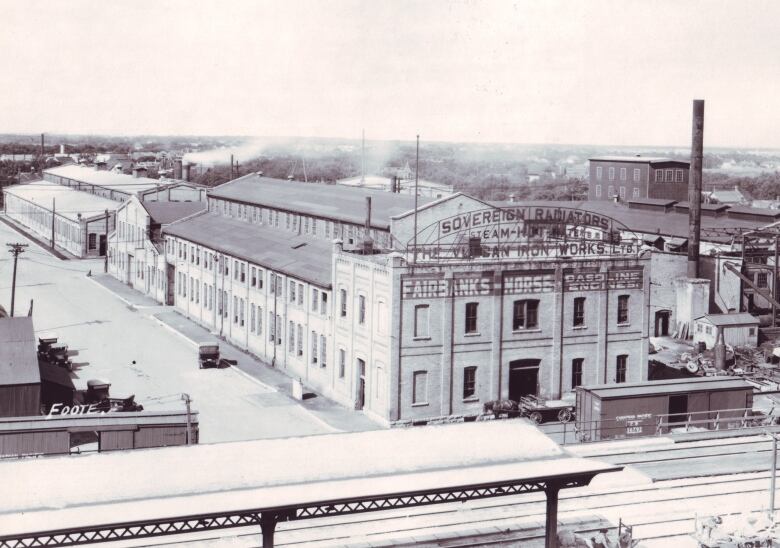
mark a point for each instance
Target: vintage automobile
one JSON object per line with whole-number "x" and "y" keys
{"x": 208, "y": 355}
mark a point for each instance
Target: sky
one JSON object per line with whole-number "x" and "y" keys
{"x": 562, "y": 72}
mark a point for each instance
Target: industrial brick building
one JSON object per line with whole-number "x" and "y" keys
{"x": 631, "y": 177}
{"x": 484, "y": 303}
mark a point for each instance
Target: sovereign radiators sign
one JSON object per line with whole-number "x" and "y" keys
{"x": 529, "y": 232}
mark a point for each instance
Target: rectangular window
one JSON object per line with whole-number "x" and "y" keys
{"x": 300, "y": 294}
{"x": 659, "y": 175}
{"x": 525, "y": 314}
{"x": 313, "y": 347}
{"x": 291, "y": 338}
{"x": 576, "y": 372}
{"x": 611, "y": 191}
{"x": 271, "y": 327}
{"x": 241, "y": 315}
{"x": 622, "y": 174}
{"x": 323, "y": 351}
{"x": 622, "y": 314}
{"x": 260, "y": 278}
{"x": 469, "y": 382}
{"x": 598, "y": 191}
{"x": 421, "y": 312}
{"x": 278, "y": 329}
{"x": 243, "y": 273}
{"x": 292, "y": 291}
{"x": 253, "y": 273}
{"x": 361, "y": 309}
{"x": 315, "y": 303}
{"x": 669, "y": 175}
{"x": 235, "y": 309}
{"x": 343, "y": 295}
{"x": 259, "y": 320}
{"x": 678, "y": 176}
{"x": 342, "y": 362}
{"x": 761, "y": 279}
{"x": 622, "y": 193}
{"x": 579, "y": 311}
{"x": 300, "y": 340}
{"x": 635, "y": 192}
{"x": 612, "y": 174}
{"x": 252, "y": 317}
{"x": 622, "y": 368}
{"x": 599, "y": 171}
{"x": 324, "y": 304}
{"x": 420, "y": 387}
{"x": 471, "y": 317}
{"x": 636, "y": 175}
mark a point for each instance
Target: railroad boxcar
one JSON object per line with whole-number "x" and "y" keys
{"x": 616, "y": 411}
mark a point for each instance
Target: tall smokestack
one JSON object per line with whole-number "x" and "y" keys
{"x": 41, "y": 144}
{"x": 177, "y": 168}
{"x": 368, "y": 243}
{"x": 694, "y": 188}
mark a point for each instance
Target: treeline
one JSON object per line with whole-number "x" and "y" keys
{"x": 762, "y": 187}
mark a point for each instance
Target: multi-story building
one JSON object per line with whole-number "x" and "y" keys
{"x": 631, "y": 177}
{"x": 135, "y": 249}
{"x": 479, "y": 302}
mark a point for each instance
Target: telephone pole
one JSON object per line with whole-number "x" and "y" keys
{"x": 105, "y": 259}
{"x": 15, "y": 249}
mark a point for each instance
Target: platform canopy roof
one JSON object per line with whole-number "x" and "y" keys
{"x": 68, "y": 203}
{"x": 279, "y": 474}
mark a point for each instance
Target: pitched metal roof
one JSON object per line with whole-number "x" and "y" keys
{"x": 167, "y": 212}
{"x": 733, "y": 319}
{"x": 18, "y": 358}
{"x": 106, "y": 179}
{"x": 337, "y": 202}
{"x": 68, "y": 203}
{"x": 303, "y": 258}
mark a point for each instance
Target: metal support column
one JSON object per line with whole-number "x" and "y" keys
{"x": 551, "y": 522}
{"x": 268, "y": 525}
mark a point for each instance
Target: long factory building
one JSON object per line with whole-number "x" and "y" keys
{"x": 415, "y": 319}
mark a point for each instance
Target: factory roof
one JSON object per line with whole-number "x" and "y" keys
{"x": 637, "y": 159}
{"x": 18, "y": 360}
{"x": 68, "y": 203}
{"x": 168, "y": 212}
{"x": 307, "y": 259}
{"x": 669, "y": 223}
{"x": 730, "y": 320}
{"x": 118, "y": 182}
{"x": 336, "y": 202}
{"x": 669, "y": 386}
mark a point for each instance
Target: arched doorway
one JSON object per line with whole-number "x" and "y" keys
{"x": 523, "y": 378}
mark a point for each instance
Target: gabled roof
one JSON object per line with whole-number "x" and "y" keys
{"x": 18, "y": 359}
{"x": 727, "y": 320}
{"x": 168, "y": 212}
{"x": 337, "y": 202}
{"x": 303, "y": 258}
{"x": 437, "y": 201}
{"x": 106, "y": 179}
{"x": 68, "y": 203}
{"x": 638, "y": 159}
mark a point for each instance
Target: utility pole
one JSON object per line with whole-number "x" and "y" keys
{"x": 15, "y": 249}
{"x": 53, "y": 215}
{"x": 105, "y": 259}
{"x": 416, "y": 182}
{"x": 187, "y": 401}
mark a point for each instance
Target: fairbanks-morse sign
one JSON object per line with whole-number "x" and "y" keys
{"x": 521, "y": 233}
{"x": 485, "y": 284}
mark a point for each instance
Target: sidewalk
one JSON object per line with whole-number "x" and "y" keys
{"x": 328, "y": 411}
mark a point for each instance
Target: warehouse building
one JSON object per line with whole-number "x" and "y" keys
{"x": 20, "y": 380}
{"x": 480, "y": 303}
{"x": 631, "y": 177}
{"x": 135, "y": 249}
{"x": 120, "y": 187}
{"x": 74, "y": 221}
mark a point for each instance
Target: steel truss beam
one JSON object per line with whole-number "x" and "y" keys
{"x": 269, "y": 516}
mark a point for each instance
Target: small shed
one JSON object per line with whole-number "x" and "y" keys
{"x": 20, "y": 380}
{"x": 616, "y": 411}
{"x": 739, "y": 329}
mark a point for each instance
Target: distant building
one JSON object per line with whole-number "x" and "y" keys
{"x": 728, "y": 196}
{"x": 739, "y": 329}
{"x": 631, "y": 177}
{"x": 406, "y": 186}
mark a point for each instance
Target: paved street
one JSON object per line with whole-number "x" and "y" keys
{"x": 128, "y": 346}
